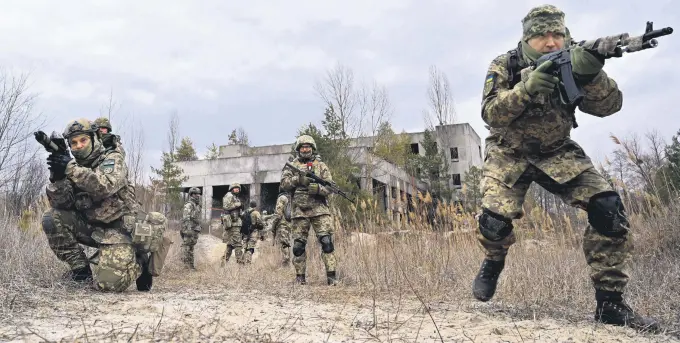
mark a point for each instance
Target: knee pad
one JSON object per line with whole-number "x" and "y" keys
{"x": 299, "y": 247}
{"x": 607, "y": 215}
{"x": 48, "y": 222}
{"x": 493, "y": 226}
{"x": 326, "y": 244}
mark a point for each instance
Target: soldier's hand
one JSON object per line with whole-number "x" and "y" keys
{"x": 584, "y": 62}
{"x": 109, "y": 140}
{"x": 540, "y": 82}
{"x": 313, "y": 188}
{"x": 301, "y": 180}
{"x": 57, "y": 163}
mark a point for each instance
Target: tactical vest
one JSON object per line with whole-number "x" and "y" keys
{"x": 515, "y": 64}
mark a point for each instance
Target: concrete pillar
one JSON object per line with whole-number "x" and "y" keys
{"x": 254, "y": 193}
{"x": 207, "y": 195}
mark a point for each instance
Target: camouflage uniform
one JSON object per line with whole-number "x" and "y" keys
{"x": 109, "y": 140}
{"x": 281, "y": 225}
{"x": 529, "y": 141}
{"x": 250, "y": 238}
{"x": 91, "y": 205}
{"x": 231, "y": 220}
{"x": 310, "y": 208}
{"x": 191, "y": 226}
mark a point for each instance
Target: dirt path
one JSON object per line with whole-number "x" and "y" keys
{"x": 192, "y": 311}
{"x": 220, "y": 315}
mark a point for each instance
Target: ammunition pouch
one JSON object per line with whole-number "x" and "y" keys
{"x": 148, "y": 237}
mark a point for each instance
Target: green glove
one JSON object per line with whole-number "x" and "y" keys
{"x": 313, "y": 188}
{"x": 584, "y": 63}
{"x": 540, "y": 82}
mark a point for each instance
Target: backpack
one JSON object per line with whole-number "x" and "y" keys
{"x": 246, "y": 223}
{"x": 515, "y": 66}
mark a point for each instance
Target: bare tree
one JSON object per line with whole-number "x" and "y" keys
{"x": 376, "y": 110}
{"x": 134, "y": 150}
{"x": 337, "y": 90}
{"x": 173, "y": 133}
{"x": 440, "y": 98}
{"x": 111, "y": 108}
{"x": 17, "y": 123}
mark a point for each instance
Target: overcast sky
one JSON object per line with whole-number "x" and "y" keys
{"x": 254, "y": 64}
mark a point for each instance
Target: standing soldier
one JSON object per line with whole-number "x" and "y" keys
{"x": 231, "y": 220}
{"x": 252, "y": 221}
{"x": 529, "y": 141}
{"x": 191, "y": 226}
{"x": 110, "y": 140}
{"x": 310, "y": 208}
{"x": 89, "y": 206}
{"x": 281, "y": 224}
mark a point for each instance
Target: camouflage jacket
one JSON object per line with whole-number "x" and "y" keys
{"x": 280, "y": 212}
{"x": 256, "y": 220}
{"x": 232, "y": 207}
{"x": 536, "y": 130}
{"x": 307, "y": 205}
{"x": 102, "y": 192}
{"x": 191, "y": 216}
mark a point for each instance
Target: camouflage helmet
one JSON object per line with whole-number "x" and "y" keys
{"x": 305, "y": 139}
{"x": 234, "y": 185}
{"x": 103, "y": 122}
{"x": 79, "y": 126}
{"x": 194, "y": 190}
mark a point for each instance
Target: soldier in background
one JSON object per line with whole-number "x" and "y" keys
{"x": 251, "y": 222}
{"x": 191, "y": 226}
{"x": 281, "y": 225}
{"x": 231, "y": 222}
{"x": 110, "y": 140}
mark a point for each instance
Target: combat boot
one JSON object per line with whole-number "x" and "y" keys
{"x": 300, "y": 279}
{"x": 145, "y": 280}
{"x": 611, "y": 309}
{"x": 485, "y": 283}
{"x": 330, "y": 277}
{"x": 82, "y": 274}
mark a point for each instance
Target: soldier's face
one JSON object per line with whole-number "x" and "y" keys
{"x": 80, "y": 142}
{"x": 548, "y": 42}
{"x": 306, "y": 149}
{"x": 104, "y": 130}
{"x": 236, "y": 190}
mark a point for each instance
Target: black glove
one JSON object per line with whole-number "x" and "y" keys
{"x": 57, "y": 165}
{"x": 109, "y": 141}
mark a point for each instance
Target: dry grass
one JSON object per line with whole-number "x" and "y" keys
{"x": 546, "y": 275}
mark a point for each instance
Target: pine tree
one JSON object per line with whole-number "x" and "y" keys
{"x": 213, "y": 152}
{"x": 169, "y": 180}
{"x": 185, "y": 151}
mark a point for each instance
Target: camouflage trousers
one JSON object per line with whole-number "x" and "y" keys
{"x": 608, "y": 257}
{"x": 232, "y": 236}
{"x": 117, "y": 265}
{"x": 249, "y": 245}
{"x": 189, "y": 240}
{"x": 323, "y": 226}
{"x": 283, "y": 238}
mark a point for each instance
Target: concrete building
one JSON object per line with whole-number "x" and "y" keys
{"x": 258, "y": 170}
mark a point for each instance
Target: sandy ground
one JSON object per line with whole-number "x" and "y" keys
{"x": 172, "y": 313}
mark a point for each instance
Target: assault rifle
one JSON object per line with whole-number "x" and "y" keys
{"x": 606, "y": 47}
{"x": 53, "y": 144}
{"x": 331, "y": 186}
